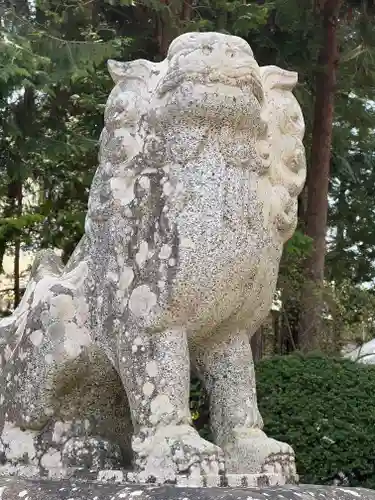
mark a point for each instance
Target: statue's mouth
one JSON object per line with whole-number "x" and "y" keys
{"x": 245, "y": 79}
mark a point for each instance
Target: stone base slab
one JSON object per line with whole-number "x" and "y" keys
{"x": 124, "y": 477}
{"x": 228, "y": 480}
{"x": 16, "y": 488}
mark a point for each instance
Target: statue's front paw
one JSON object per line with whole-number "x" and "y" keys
{"x": 176, "y": 453}
{"x": 281, "y": 462}
{"x": 254, "y": 453}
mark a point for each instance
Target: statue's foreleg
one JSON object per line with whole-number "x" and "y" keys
{"x": 155, "y": 370}
{"x": 228, "y": 371}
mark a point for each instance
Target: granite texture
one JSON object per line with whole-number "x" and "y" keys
{"x": 200, "y": 165}
{"x": 16, "y": 489}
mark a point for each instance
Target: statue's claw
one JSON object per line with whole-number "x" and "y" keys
{"x": 176, "y": 453}
{"x": 282, "y": 464}
{"x": 255, "y": 453}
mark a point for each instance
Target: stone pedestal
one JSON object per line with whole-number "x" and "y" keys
{"x": 16, "y": 489}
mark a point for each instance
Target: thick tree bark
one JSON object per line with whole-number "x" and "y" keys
{"x": 318, "y": 178}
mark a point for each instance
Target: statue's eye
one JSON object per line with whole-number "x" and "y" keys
{"x": 229, "y": 53}
{"x": 206, "y": 50}
{"x": 295, "y": 117}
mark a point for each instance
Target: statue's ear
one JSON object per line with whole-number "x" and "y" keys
{"x": 117, "y": 70}
{"x": 139, "y": 70}
{"x": 275, "y": 77}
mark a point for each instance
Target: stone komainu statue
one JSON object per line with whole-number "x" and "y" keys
{"x": 201, "y": 163}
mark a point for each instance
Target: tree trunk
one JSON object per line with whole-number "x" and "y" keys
{"x": 17, "y": 251}
{"x": 276, "y": 332}
{"x": 257, "y": 342}
{"x": 289, "y": 339}
{"x": 8, "y": 211}
{"x": 171, "y": 22}
{"x": 23, "y": 116}
{"x": 318, "y": 178}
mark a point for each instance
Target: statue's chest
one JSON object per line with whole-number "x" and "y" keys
{"x": 221, "y": 217}
{"x": 216, "y": 203}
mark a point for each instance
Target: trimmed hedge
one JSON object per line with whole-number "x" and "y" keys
{"x": 325, "y": 408}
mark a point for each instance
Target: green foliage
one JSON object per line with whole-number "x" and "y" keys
{"x": 352, "y": 310}
{"x": 246, "y": 17}
{"x": 351, "y": 253}
{"x": 199, "y": 408}
{"x": 295, "y": 251}
{"x": 291, "y": 280}
{"x": 53, "y": 87}
{"x": 323, "y": 408}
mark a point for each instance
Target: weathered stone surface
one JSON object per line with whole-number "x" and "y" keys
{"x": 364, "y": 353}
{"x": 201, "y": 161}
{"x": 15, "y": 489}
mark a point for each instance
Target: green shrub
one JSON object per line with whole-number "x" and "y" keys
{"x": 325, "y": 408}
